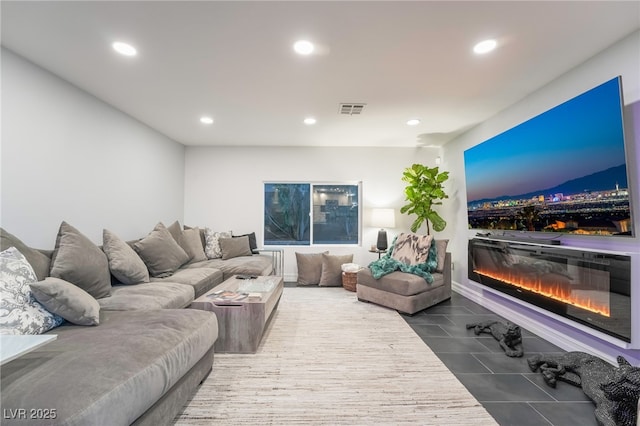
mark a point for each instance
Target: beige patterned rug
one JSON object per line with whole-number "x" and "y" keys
{"x": 327, "y": 359}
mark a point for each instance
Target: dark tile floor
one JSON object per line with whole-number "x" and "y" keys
{"x": 505, "y": 386}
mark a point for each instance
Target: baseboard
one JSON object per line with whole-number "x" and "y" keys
{"x": 562, "y": 340}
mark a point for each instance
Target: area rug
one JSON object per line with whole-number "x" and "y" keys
{"x": 328, "y": 359}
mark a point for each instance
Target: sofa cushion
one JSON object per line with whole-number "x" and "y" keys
{"x": 331, "y": 275}
{"x": 148, "y": 297}
{"x": 67, "y": 300}
{"x": 400, "y": 283}
{"x": 192, "y": 244}
{"x": 160, "y": 252}
{"x": 201, "y": 279}
{"x": 258, "y": 264}
{"x": 91, "y": 380}
{"x": 40, "y": 262}
{"x": 77, "y": 260}
{"x": 20, "y": 313}
{"x": 411, "y": 249}
{"x": 441, "y": 251}
{"x": 235, "y": 247}
{"x": 309, "y": 267}
{"x": 212, "y": 248}
{"x": 124, "y": 262}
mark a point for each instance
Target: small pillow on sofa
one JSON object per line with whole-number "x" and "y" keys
{"x": 67, "y": 300}
{"x": 309, "y": 267}
{"x": 253, "y": 242}
{"x": 77, "y": 260}
{"x": 160, "y": 252}
{"x": 124, "y": 262}
{"x": 192, "y": 244}
{"x": 412, "y": 249}
{"x": 235, "y": 247}
{"x": 212, "y": 248}
{"x": 331, "y": 275}
{"x": 441, "y": 251}
{"x": 21, "y": 313}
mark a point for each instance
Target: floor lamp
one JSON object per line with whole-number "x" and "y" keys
{"x": 383, "y": 218}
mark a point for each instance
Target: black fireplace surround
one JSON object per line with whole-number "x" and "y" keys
{"x": 587, "y": 287}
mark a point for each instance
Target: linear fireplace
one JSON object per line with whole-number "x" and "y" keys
{"x": 591, "y": 288}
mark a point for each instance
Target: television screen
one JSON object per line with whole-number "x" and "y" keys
{"x": 563, "y": 171}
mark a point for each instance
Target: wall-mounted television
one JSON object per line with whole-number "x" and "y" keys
{"x": 563, "y": 171}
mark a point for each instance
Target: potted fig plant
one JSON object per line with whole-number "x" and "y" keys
{"x": 424, "y": 190}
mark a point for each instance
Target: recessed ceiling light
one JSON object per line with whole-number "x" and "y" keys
{"x": 206, "y": 120}
{"x": 485, "y": 46}
{"x": 303, "y": 47}
{"x": 124, "y": 49}
{"x": 413, "y": 122}
{"x": 309, "y": 121}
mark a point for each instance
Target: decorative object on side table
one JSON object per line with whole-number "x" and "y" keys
{"x": 383, "y": 218}
{"x": 508, "y": 335}
{"x": 614, "y": 390}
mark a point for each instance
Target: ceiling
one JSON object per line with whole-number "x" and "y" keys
{"x": 234, "y": 61}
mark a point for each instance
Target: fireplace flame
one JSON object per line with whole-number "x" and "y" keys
{"x": 559, "y": 291}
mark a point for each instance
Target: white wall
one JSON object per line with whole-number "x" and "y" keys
{"x": 224, "y": 186}
{"x": 66, "y": 155}
{"x": 623, "y": 58}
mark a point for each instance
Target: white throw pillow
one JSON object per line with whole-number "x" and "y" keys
{"x": 20, "y": 313}
{"x": 412, "y": 249}
{"x": 213, "y": 249}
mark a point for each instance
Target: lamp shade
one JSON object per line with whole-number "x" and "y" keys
{"x": 383, "y": 218}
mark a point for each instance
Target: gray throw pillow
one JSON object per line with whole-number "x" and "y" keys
{"x": 176, "y": 232}
{"x": 67, "y": 300}
{"x": 309, "y": 267}
{"x": 160, "y": 252}
{"x": 124, "y": 262}
{"x": 253, "y": 242}
{"x": 40, "y": 262}
{"x": 235, "y": 247}
{"x": 77, "y": 260}
{"x": 441, "y": 251}
{"x": 331, "y": 275}
{"x": 192, "y": 244}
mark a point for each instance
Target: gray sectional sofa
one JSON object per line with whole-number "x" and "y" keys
{"x": 143, "y": 360}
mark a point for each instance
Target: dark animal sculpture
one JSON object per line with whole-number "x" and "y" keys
{"x": 508, "y": 335}
{"x": 614, "y": 390}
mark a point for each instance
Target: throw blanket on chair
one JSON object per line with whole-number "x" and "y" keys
{"x": 387, "y": 264}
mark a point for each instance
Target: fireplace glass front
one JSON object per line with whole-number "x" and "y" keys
{"x": 588, "y": 287}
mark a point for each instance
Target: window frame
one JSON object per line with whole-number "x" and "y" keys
{"x": 312, "y": 185}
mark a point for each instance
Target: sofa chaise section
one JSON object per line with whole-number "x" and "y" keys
{"x": 88, "y": 379}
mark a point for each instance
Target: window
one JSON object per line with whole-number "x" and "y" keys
{"x": 309, "y": 214}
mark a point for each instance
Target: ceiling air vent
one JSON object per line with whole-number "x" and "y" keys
{"x": 351, "y": 109}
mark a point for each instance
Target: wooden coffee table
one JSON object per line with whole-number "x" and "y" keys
{"x": 241, "y": 323}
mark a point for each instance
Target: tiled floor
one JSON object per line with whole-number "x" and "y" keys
{"x": 505, "y": 386}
